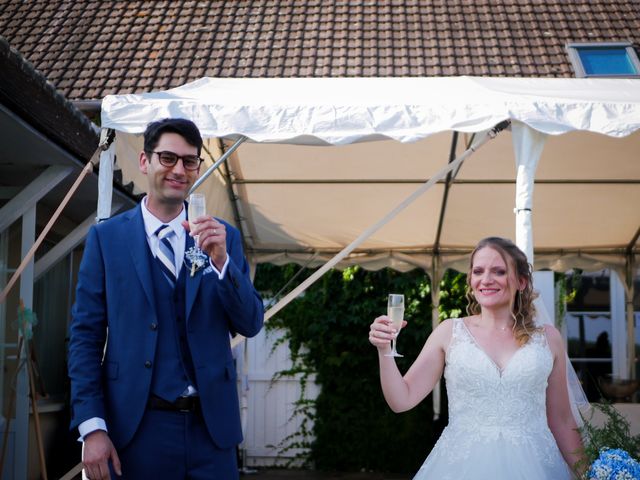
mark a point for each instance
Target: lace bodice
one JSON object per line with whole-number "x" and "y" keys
{"x": 482, "y": 395}
{"x": 497, "y": 418}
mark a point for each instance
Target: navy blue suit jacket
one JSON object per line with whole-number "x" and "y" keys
{"x": 111, "y": 373}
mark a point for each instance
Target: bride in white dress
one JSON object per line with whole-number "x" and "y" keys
{"x": 509, "y": 411}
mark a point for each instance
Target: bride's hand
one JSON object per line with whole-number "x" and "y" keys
{"x": 381, "y": 332}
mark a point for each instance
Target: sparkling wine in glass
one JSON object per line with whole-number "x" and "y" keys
{"x": 395, "y": 311}
{"x": 197, "y": 208}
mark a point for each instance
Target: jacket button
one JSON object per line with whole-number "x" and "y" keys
{"x": 153, "y": 326}
{"x": 147, "y": 364}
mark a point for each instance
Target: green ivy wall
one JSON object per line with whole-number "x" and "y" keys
{"x": 327, "y": 329}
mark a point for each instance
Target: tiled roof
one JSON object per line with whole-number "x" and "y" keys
{"x": 32, "y": 98}
{"x": 92, "y": 48}
{"x": 28, "y": 94}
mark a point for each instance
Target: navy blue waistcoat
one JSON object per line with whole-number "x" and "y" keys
{"x": 172, "y": 367}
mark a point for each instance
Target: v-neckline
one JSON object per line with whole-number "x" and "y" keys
{"x": 500, "y": 371}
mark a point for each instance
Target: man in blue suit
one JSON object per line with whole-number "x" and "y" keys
{"x": 153, "y": 384}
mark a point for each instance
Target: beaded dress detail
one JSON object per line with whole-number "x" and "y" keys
{"x": 497, "y": 418}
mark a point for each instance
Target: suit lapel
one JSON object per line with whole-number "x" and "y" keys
{"x": 139, "y": 252}
{"x": 193, "y": 283}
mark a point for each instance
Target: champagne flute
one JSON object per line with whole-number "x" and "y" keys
{"x": 197, "y": 208}
{"x": 395, "y": 311}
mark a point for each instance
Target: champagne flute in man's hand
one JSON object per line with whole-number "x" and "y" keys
{"x": 196, "y": 256}
{"x": 395, "y": 311}
{"x": 197, "y": 208}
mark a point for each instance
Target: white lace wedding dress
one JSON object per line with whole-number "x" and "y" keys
{"x": 497, "y": 419}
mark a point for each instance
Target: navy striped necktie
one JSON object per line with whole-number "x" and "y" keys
{"x": 165, "y": 254}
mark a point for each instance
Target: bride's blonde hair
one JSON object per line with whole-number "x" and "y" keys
{"x": 522, "y": 309}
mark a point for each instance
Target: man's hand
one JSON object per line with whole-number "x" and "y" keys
{"x": 211, "y": 237}
{"x": 97, "y": 450}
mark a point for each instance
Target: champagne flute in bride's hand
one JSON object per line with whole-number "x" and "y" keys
{"x": 395, "y": 311}
{"x": 197, "y": 208}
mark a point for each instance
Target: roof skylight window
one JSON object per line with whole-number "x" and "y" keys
{"x": 607, "y": 59}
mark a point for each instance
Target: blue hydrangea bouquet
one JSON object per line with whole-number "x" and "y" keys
{"x": 614, "y": 464}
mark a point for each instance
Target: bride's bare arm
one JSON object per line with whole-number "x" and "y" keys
{"x": 559, "y": 416}
{"x": 404, "y": 393}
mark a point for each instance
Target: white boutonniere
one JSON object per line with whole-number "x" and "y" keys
{"x": 195, "y": 259}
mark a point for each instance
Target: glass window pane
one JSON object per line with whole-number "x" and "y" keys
{"x": 588, "y": 334}
{"x": 589, "y": 347}
{"x": 606, "y": 61}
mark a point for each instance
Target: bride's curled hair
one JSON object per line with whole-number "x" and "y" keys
{"x": 522, "y": 309}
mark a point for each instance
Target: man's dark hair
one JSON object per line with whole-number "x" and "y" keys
{"x": 183, "y": 127}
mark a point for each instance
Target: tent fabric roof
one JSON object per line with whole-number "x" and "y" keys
{"x": 296, "y": 199}
{"x": 347, "y": 110}
{"x": 91, "y": 48}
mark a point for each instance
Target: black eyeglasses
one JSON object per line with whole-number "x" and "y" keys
{"x": 169, "y": 159}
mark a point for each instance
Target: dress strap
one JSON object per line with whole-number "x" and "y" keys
{"x": 458, "y": 333}
{"x": 540, "y": 337}
{"x": 460, "y": 330}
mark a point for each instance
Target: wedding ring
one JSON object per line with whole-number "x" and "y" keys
{"x": 214, "y": 231}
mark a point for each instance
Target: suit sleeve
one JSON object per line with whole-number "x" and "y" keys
{"x": 88, "y": 335}
{"x": 239, "y": 298}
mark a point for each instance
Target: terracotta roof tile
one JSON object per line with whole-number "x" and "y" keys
{"x": 91, "y": 48}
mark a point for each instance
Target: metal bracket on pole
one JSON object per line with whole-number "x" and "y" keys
{"x": 107, "y": 136}
{"x": 219, "y": 162}
{"x": 498, "y": 128}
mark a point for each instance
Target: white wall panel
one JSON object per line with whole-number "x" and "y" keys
{"x": 270, "y": 403}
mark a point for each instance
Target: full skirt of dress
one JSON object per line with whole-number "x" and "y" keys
{"x": 498, "y": 427}
{"x": 469, "y": 456}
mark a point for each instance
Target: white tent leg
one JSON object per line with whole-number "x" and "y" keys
{"x": 107, "y": 150}
{"x": 631, "y": 324}
{"x": 105, "y": 182}
{"x": 436, "y": 276}
{"x": 527, "y": 145}
{"x": 619, "y": 341}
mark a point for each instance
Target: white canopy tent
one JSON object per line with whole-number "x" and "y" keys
{"x": 325, "y": 158}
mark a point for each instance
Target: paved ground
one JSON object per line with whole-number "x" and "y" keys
{"x": 272, "y": 474}
{"x": 282, "y": 474}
